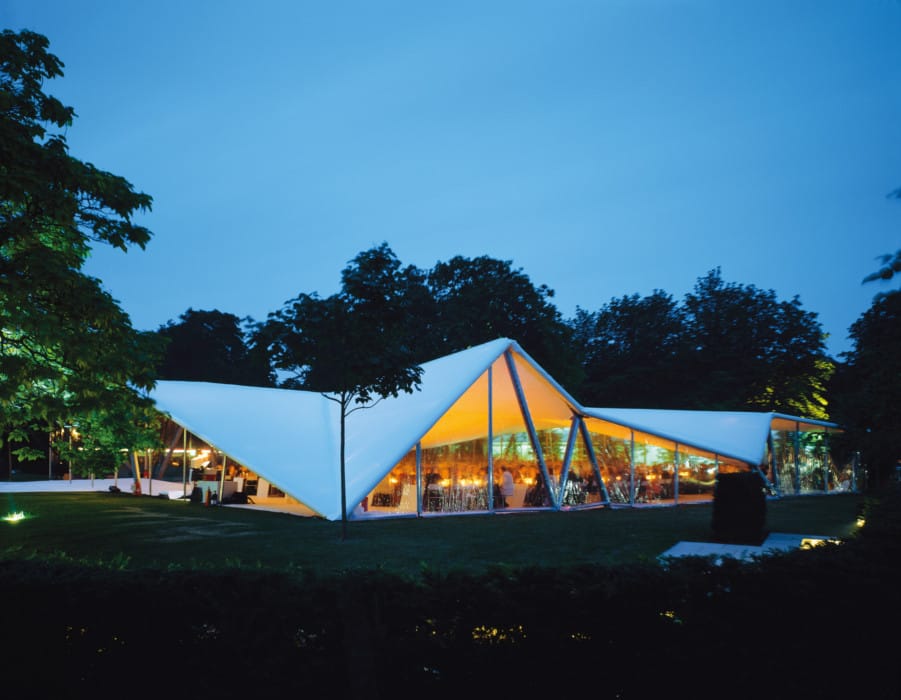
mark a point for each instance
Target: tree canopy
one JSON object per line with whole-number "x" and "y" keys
{"x": 355, "y": 343}
{"x": 726, "y": 346}
{"x": 354, "y": 346}
{"x": 66, "y": 348}
{"x": 748, "y": 349}
{"x": 213, "y": 346}
{"x": 480, "y": 299}
{"x": 630, "y": 348}
{"x": 867, "y": 385}
{"x": 891, "y": 262}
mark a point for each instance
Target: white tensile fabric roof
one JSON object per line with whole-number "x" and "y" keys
{"x": 740, "y": 435}
{"x": 291, "y": 438}
{"x": 278, "y": 433}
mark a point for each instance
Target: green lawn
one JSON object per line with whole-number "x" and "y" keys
{"x": 121, "y": 529}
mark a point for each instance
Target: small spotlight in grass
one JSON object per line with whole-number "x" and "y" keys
{"x": 14, "y": 517}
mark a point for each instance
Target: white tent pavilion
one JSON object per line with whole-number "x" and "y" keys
{"x": 476, "y": 412}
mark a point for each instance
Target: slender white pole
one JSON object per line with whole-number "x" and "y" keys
{"x": 184, "y": 463}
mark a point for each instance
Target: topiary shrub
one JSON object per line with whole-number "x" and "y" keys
{"x": 739, "y": 508}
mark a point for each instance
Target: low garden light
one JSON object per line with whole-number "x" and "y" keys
{"x": 13, "y": 518}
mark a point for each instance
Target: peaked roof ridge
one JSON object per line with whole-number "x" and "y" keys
{"x": 570, "y": 399}
{"x": 501, "y": 342}
{"x": 195, "y": 383}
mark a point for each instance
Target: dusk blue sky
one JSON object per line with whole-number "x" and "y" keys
{"x": 605, "y": 148}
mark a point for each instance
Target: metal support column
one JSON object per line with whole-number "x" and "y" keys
{"x": 586, "y": 437}
{"x": 771, "y": 445}
{"x": 419, "y": 493}
{"x": 222, "y": 478}
{"x": 530, "y": 427}
{"x": 184, "y": 463}
{"x": 490, "y": 484}
{"x": 676, "y": 476}
{"x": 631, "y": 467}
{"x": 567, "y": 456}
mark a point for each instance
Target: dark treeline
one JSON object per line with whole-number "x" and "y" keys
{"x": 457, "y": 304}
{"x": 723, "y": 346}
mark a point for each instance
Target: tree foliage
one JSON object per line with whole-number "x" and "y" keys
{"x": 355, "y": 343}
{"x": 868, "y": 384}
{"x": 354, "y": 346}
{"x": 748, "y": 349}
{"x": 213, "y": 346}
{"x": 726, "y": 346}
{"x": 477, "y": 300}
{"x": 630, "y": 347}
{"x": 66, "y": 348}
{"x": 891, "y": 262}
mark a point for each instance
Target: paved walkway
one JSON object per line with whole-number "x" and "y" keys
{"x": 776, "y": 542}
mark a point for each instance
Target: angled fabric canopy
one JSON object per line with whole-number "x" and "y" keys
{"x": 281, "y": 434}
{"x": 740, "y": 435}
{"x": 291, "y": 437}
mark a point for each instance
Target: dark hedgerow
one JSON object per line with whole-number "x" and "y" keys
{"x": 799, "y": 624}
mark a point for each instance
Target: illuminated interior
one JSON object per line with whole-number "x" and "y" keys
{"x": 802, "y": 462}
{"x": 566, "y": 466}
{"x": 456, "y": 475}
{"x": 207, "y": 473}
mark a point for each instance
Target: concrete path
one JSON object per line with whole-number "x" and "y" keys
{"x": 776, "y": 542}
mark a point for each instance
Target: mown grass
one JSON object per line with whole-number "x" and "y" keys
{"x": 125, "y": 531}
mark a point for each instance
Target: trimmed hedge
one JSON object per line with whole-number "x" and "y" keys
{"x": 789, "y": 625}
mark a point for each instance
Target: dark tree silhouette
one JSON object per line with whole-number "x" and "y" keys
{"x": 353, "y": 346}
{"x": 631, "y": 347}
{"x": 213, "y": 346}
{"x": 867, "y": 386}
{"x": 481, "y": 299}
{"x": 726, "y": 346}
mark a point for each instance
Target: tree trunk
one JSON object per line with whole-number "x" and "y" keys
{"x": 343, "y": 405}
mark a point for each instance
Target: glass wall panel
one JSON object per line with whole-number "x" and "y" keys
{"x": 612, "y": 447}
{"x": 455, "y": 477}
{"x": 697, "y": 476}
{"x": 834, "y": 473}
{"x": 813, "y": 463}
{"x": 784, "y": 452}
{"x": 846, "y": 479}
{"x": 514, "y": 451}
{"x": 654, "y": 469}
{"x": 553, "y": 449}
{"x": 395, "y": 494}
{"x": 581, "y": 487}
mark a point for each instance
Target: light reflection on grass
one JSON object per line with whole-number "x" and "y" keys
{"x": 495, "y": 635}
